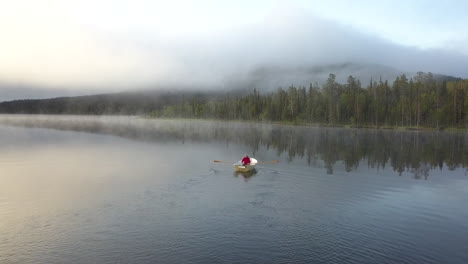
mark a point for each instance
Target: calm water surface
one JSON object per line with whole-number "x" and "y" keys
{"x": 131, "y": 190}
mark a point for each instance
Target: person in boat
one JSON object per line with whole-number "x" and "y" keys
{"x": 245, "y": 160}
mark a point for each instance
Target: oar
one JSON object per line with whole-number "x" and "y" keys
{"x": 275, "y": 161}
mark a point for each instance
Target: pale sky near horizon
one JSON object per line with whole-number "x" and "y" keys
{"x": 135, "y": 43}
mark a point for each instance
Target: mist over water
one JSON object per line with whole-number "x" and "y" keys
{"x": 97, "y": 189}
{"x": 418, "y": 152}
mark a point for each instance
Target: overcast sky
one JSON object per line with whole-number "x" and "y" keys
{"x": 88, "y": 44}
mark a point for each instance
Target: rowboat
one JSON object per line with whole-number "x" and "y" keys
{"x": 241, "y": 168}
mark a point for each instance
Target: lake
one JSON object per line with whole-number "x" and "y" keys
{"x": 93, "y": 189}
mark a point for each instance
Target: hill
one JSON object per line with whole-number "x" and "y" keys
{"x": 124, "y": 103}
{"x": 264, "y": 79}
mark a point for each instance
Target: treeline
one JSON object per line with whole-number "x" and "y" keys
{"x": 422, "y": 100}
{"x": 125, "y": 103}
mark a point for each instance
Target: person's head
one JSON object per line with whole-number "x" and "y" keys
{"x": 245, "y": 156}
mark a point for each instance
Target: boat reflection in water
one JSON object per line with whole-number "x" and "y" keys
{"x": 246, "y": 174}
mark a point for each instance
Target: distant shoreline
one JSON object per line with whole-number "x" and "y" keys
{"x": 287, "y": 123}
{"x": 282, "y": 123}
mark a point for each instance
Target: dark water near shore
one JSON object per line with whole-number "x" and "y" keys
{"x": 131, "y": 190}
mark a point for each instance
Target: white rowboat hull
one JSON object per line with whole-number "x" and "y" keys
{"x": 241, "y": 168}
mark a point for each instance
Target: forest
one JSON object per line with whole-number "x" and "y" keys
{"x": 419, "y": 101}
{"x": 124, "y": 103}
{"x": 422, "y": 101}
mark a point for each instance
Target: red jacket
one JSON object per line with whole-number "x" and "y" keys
{"x": 246, "y": 160}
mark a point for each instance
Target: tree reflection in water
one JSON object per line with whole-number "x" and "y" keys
{"x": 411, "y": 151}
